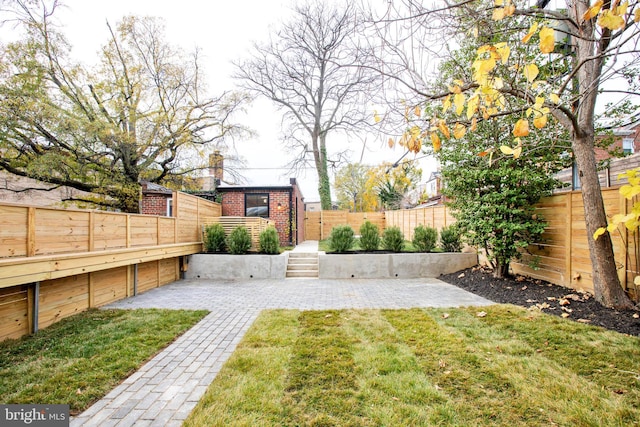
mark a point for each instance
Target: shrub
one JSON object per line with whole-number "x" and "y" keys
{"x": 214, "y": 238}
{"x": 393, "y": 239}
{"x": 424, "y": 238}
{"x": 369, "y": 236}
{"x": 450, "y": 240}
{"x": 342, "y": 238}
{"x": 269, "y": 241}
{"x": 239, "y": 241}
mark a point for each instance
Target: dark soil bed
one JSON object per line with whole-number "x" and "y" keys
{"x": 540, "y": 295}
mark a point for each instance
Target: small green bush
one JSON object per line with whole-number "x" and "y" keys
{"x": 424, "y": 238}
{"x": 342, "y": 238}
{"x": 239, "y": 241}
{"x": 393, "y": 239}
{"x": 214, "y": 238}
{"x": 369, "y": 236}
{"x": 269, "y": 241}
{"x": 450, "y": 239}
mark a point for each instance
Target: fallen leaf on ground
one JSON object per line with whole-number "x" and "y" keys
{"x": 461, "y": 275}
{"x": 583, "y": 320}
{"x": 481, "y": 314}
{"x": 445, "y": 315}
{"x": 565, "y": 315}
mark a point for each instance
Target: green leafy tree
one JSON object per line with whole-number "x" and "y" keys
{"x": 392, "y": 182}
{"x": 531, "y": 63}
{"x": 351, "y": 188}
{"x": 141, "y": 113}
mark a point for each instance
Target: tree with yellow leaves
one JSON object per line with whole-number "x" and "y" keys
{"x": 531, "y": 64}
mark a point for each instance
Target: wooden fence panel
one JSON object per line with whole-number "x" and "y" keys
{"x": 108, "y": 286}
{"x": 13, "y": 231}
{"x": 61, "y": 231}
{"x": 14, "y": 309}
{"x": 255, "y": 226}
{"x": 331, "y": 219}
{"x": 167, "y": 230}
{"x": 143, "y": 230}
{"x": 168, "y": 271}
{"x": 109, "y": 231}
{"x": 147, "y": 276}
{"x": 62, "y": 298}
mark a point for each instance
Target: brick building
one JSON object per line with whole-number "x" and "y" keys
{"x": 156, "y": 200}
{"x": 283, "y": 205}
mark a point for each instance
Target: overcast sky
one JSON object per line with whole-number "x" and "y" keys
{"x": 224, "y": 31}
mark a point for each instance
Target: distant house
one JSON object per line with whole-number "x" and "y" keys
{"x": 626, "y": 139}
{"x": 156, "y": 200}
{"x": 282, "y": 204}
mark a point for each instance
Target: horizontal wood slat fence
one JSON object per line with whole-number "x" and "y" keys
{"x": 318, "y": 225}
{"x": 57, "y": 262}
{"x": 255, "y": 225}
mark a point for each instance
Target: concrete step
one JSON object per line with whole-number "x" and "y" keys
{"x": 310, "y": 267}
{"x": 303, "y": 255}
{"x": 307, "y": 274}
{"x": 296, "y": 261}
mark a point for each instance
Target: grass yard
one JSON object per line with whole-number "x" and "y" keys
{"x": 80, "y": 359}
{"x": 425, "y": 367}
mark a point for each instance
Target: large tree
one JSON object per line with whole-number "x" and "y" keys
{"x": 310, "y": 70}
{"x": 141, "y": 113}
{"x": 576, "y": 49}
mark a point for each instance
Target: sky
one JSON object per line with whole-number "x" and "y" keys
{"x": 224, "y": 32}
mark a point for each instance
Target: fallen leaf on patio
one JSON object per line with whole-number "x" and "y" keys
{"x": 461, "y": 275}
{"x": 636, "y": 315}
{"x": 563, "y": 301}
{"x": 481, "y": 314}
{"x": 524, "y": 288}
{"x": 584, "y": 320}
{"x": 552, "y": 298}
{"x": 573, "y": 297}
{"x": 543, "y": 306}
{"x": 520, "y": 279}
{"x": 531, "y": 300}
{"x": 565, "y": 315}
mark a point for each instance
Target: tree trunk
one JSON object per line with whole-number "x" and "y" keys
{"x": 606, "y": 284}
{"x": 324, "y": 185}
{"x": 501, "y": 269}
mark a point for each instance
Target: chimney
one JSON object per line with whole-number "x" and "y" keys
{"x": 216, "y": 165}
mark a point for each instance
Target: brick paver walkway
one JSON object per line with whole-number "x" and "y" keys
{"x": 165, "y": 390}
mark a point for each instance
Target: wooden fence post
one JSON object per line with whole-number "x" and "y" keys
{"x": 568, "y": 239}
{"x": 31, "y": 231}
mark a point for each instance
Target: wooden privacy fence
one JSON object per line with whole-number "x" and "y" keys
{"x": 407, "y": 220}
{"x": 255, "y": 225}
{"x": 318, "y": 225}
{"x": 562, "y": 256}
{"x": 57, "y": 262}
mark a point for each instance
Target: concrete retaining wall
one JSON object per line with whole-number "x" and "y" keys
{"x": 402, "y": 265}
{"x": 230, "y": 267}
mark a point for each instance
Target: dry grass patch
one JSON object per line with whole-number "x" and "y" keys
{"x": 425, "y": 367}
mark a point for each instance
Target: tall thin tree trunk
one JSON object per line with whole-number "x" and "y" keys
{"x": 606, "y": 284}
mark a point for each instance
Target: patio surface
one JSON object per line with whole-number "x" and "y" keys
{"x": 166, "y": 389}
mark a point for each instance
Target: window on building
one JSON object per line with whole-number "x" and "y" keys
{"x": 169, "y": 207}
{"x": 627, "y": 145}
{"x": 256, "y": 205}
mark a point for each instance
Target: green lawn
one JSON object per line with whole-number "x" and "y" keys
{"x": 425, "y": 367}
{"x": 80, "y": 359}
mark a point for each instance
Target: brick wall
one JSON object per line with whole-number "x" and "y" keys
{"x": 155, "y": 204}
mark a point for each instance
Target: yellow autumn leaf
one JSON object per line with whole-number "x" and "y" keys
{"x": 532, "y": 31}
{"x": 458, "y": 101}
{"x": 498, "y": 14}
{"x": 376, "y": 117}
{"x": 391, "y": 143}
{"x": 599, "y": 232}
{"x": 474, "y": 124}
{"x": 442, "y": 126}
{"x": 521, "y": 128}
{"x": 530, "y": 72}
{"x": 608, "y": 19}
{"x": 622, "y": 9}
{"x": 446, "y": 103}
{"x": 459, "y": 130}
{"x": 593, "y": 11}
{"x": 435, "y": 141}
{"x": 636, "y": 18}
{"x": 547, "y": 42}
{"x": 417, "y": 111}
{"x": 498, "y": 3}
{"x": 472, "y": 106}
{"x": 506, "y": 150}
{"x": 517, "y": 151}
{"x": 554, "y": 98}
{"x": 485, "y": 66}
{"x": 503, "y": 51}
{"x": 540, "y": 122}
{"x": 628, "y": 191}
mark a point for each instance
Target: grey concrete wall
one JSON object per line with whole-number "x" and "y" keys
{"x": 403, "y": 265}
{"x": 230, "y": 267}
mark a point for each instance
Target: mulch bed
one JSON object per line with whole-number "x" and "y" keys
{"x": 540, "y": 295}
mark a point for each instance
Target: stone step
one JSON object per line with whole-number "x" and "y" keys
{"x": 303, "y": 255}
